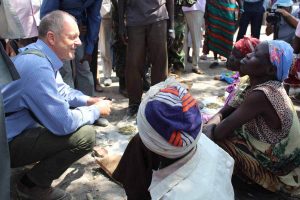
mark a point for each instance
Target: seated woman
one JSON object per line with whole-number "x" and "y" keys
{"x": 262, "y": 133}
{"x": 169, "y": 158}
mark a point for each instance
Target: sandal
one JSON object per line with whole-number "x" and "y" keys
{"x": 203, "y": 57}
{"x": 214, "y": 65}
{"x": 197, "y": 71}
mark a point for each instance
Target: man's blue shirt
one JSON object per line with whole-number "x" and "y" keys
{"x": 86, "y": 12}
{"x": 42, "y": 90}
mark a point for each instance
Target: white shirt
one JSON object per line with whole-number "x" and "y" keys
{"x": 204, "y": 174}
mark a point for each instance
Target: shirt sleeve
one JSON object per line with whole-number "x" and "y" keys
{"x": 49, "y": 6}
{"x": 297, "y": 33}
{"x": 94, "y": 19}
{"x": 41, "y": 96}
{"x": 74, "y": 97}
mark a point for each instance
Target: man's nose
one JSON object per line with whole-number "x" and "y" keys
{"x": 78, "y": 42}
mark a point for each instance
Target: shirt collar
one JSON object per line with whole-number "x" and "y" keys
{"x": 52, "y": 57}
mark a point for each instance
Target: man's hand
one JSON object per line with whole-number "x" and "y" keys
{"x": 104, "y": 107}
{"x": 171, "y": 37}
{"x": 283, "y": 12}
{"x": 93, "y": 100}
{"x": 123, "y": 34}
{"x": 86, "y": 57}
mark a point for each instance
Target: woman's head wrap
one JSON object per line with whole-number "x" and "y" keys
{"x": 169, "y": 120}
{"x": 246, "y": 45}
{"x": 281, "y": 56}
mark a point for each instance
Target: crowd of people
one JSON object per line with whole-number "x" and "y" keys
{"x": 49, "y": 105}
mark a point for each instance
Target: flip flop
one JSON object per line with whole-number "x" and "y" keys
{"x": 198, "y": 71}
{"x": 214, "y": 65}
{"x": 203, "y": 57}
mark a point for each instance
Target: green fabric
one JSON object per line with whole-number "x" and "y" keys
{"x": 175, "y": 51}
{"x": 54, "y": 153}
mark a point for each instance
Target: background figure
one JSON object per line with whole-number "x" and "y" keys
{"x": 105, "y": 40}
{"x": 194, "y": 17}
{"x": 118, "y": 49}
{"x": 145, "y": 31}
{"x": 88, "y": 18}
{"x": 251, "y": 13}
{"x": 176, "y": 54}
{"x": 284, "y": 26}
{"x": 221, "y": 17}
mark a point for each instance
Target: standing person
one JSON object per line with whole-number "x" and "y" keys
{"x": 176, "y": 54}
{"x": 252, "y": 12}
{"x": 105, "y": 40}
{"x": 221, "y": 17}
{"x": 48, "y": 125}
{"x": 194, "y": 17}
{"x": 87, "y": 14}
{"x": 147, "y": 27}
{"x": 284, "y": 27}
{"x": 119, "y": 50}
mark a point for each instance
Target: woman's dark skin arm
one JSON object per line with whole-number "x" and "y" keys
{"x": 255, "y": 104}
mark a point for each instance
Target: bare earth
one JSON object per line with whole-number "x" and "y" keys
{"x": 85, "y": 180}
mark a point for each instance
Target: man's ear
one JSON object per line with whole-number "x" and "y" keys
{"x": 51, "y": 38}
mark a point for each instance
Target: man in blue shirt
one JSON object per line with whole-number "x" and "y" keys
{"x": 40, "y": 124}
{"x": 87, "y": 14}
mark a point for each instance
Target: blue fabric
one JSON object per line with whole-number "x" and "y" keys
{"x": 283, "y": 3}
{"x": 281, "y": 56}
{"x": 42, "y": 90}
{"x": 86, "y": 13}
{"x": 166, "y": 115}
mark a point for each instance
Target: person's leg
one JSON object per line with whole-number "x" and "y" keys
{"x": 84, "y": 80}
{"x": 54, "y": 153}
{"x": 135, "y": 61}
{"x": 157, "y": 44}
{"x": 134, "y": 170}
{"x": 256, "y": 22}
{"x": 195, "y": 20}
{"x": 244, "y": 21}
{"x": 94, "y": 68}
{"x": 105, "y": 48}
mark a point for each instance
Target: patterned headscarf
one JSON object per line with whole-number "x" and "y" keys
{"x": 169, "y": 120}
{"x": 246, "y": 45}
{"x": 281, "y": 56}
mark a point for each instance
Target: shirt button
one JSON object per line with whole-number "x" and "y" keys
{"x": 228, "y": 164}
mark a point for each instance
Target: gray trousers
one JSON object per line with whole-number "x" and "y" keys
{"x": 194, "y": 21}
{"x": 78, "y": 75}
{"x": 151, "y": 39}
{"x": 54, "y": 154}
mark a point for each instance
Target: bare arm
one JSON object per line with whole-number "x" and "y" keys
{"x": 255, "y": 104}
{"x": 289, "y": 18}
{"x": 170, "y": 9}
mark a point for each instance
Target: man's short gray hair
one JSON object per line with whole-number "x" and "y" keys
{"x": 53, "y": 21}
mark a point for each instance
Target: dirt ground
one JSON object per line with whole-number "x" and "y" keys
{"x": 85, "y": 180}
